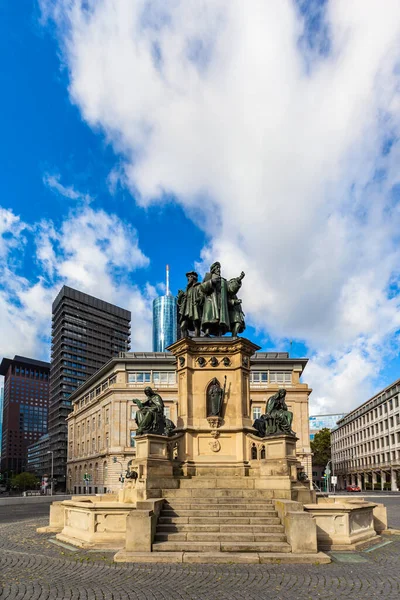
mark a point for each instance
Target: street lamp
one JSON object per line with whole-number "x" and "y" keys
{"x": 52, "y": 465}
{"x": 122, "y": 470}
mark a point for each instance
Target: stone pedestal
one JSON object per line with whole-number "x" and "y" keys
{"x": 343, "y": 525}
{"x": 213, "y": 446}
{"x": 154, "y": 466}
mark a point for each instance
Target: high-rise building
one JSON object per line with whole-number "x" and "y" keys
{"x": 366, "y": 443}
{"x": 86, "y": 333}
{"x": 164, "y": 320}
{"x": 25, "y": 411}
{"x": 1, "y": 414}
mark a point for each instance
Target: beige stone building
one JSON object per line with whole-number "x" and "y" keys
{"x": 102, "y": 428}
{"x": 366, "y": 443}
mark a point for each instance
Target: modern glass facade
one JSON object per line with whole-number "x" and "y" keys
{"x": 164, "y": 322}
{"x": 319, "y": 422}
{"x": 26, "y": 402}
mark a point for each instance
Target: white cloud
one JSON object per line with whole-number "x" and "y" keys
{"x": 92, "y": 251}
{"x": 52, "y": 181}
{"x": 275, "y": 147}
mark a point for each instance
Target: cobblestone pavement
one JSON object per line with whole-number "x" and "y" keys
{"x": 33, "y": 568}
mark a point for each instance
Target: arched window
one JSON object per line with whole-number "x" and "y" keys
{"x": 105, "y": 472}
{"x": 253, "y": 452}
{"x": 96, "y": 473}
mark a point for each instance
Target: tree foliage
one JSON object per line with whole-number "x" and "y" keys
{"x": 321, "y": 447}
{"x": 25, "y": 481}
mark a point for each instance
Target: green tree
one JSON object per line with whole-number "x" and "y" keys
{"x": 321, "y": 447}
{"x": 24, "y": 481}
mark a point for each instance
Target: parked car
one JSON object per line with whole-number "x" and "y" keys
{"x": 353, "y": 488}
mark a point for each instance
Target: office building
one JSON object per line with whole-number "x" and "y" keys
{"x": 39, "y": 457}
{"x": 164, "y": 320}
{"x": 318, "y": 422}
{"x": 366, "y": 443}
{"x": 1, "y": 414}
{"x": 102, "y": 426}
{"x": 86, "y": 333}
{"x": 25, "y": 412}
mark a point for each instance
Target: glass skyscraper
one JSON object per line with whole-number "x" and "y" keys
{"x": 164, "y": 320}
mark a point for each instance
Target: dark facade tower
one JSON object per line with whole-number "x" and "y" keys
{"x": 86, "y": 333}
{"x": 26, "y": 402}
{"x": 165, "y": 325}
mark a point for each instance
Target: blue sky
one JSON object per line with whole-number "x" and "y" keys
{"x": 140, "y": 134}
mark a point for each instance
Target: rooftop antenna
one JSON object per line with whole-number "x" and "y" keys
{"x": 167, "y": 287}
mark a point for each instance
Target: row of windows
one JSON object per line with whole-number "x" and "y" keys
{"x": 32, "y": 373}
{"x": 378, "y": 459}
{"x": 97, "y": 391}
{"x": 91, "y": 446}
{"x": 156, "y": 377}
{"x": 261, "y": 377}
{"x": 169, "y": 377}
{"x": 372, "y": 413}
{"x": 342, "y": 441}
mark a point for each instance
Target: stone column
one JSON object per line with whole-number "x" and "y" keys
{"x": 373, "y": 480}
{"x": 383, "y": 479}
{"x": 393, "y": 480}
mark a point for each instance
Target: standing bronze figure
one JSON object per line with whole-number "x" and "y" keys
{"x": 215, "y": 398}
{"x": 217, "y": 310}
{"x": 190, "y": 306}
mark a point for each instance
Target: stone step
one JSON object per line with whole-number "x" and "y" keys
{"x": 182, "y": 546}
{"x": 216, "y": 493}
{"x": 220, "y": 500}
{"x": 222, "y": 520}
{"x": 177, "y": 506}
{"x": 217, "y": 513}
{"x": 199, "y": 536}
{"x": 217, "y": 482}
{"x": 234, "y": 528}
{"x": 222, "y": 557}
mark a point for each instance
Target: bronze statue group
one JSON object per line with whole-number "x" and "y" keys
{"x": 212, "y": 308}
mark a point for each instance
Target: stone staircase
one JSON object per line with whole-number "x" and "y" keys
{"x": 228, "y": 521}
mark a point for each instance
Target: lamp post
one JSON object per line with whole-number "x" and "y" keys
{"x": 52, "y": 465}
{"x": 122, "y": 470}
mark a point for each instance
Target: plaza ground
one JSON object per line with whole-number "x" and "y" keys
{"x": 32, "y": 567}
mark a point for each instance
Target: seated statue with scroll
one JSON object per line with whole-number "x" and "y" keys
{"x": 277, "y": 418}
{"x": 150, "y": 416}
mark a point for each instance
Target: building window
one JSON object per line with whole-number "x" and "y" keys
{"x": 259, "y": 376}
{"x": 107, "y": 415}
{"x": 280, "y": 377}
{"x": 140, "y": 377}
{"x": 133, "y": 439}
{"x": 256, "y": 412}
{"x": 98, "y": 443}
{"x": 164, "y": 378}
{"x": 133, "y": 412}
{"x": 107, "y": 440}
{"x": 105, "y": 472}
{"x": 93, "y": 445}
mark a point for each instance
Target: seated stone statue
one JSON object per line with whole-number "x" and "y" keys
{"x": 150, "y": 417}
{"x": 277, "y": 418}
